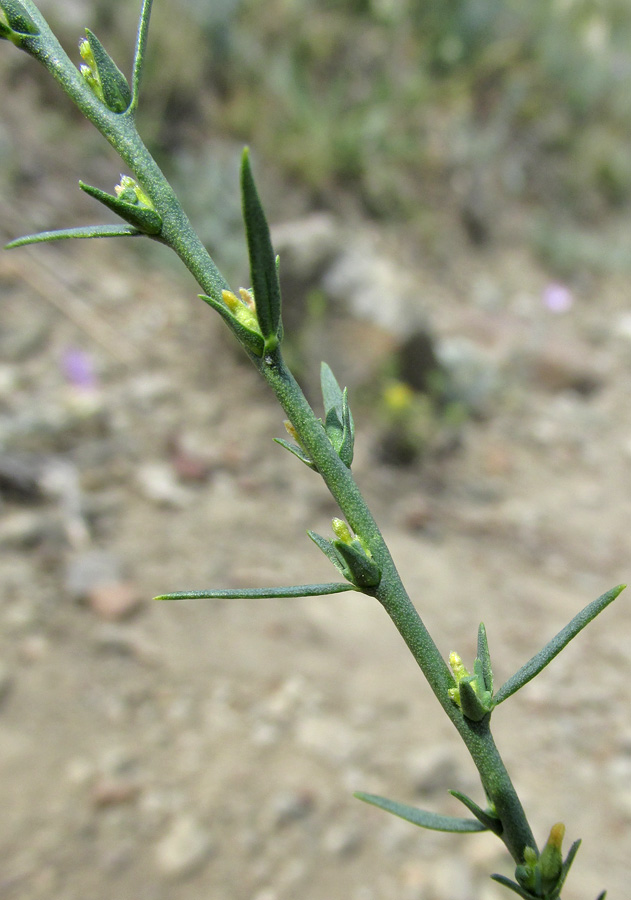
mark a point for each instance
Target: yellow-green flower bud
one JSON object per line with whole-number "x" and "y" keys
{"x": 341, "y": 530}
{"x": 242, "y": 311}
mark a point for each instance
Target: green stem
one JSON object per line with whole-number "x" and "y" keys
{"x": 177, "y": 232}
{"x": 392, "y": 595}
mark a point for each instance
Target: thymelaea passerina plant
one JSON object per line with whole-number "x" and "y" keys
{"x": 148, "y": 206}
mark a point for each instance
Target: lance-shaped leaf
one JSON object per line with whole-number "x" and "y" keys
{"x": 296, "y": 590}
{"x": 484, "y": 659}
{"x": 364, "y": 571}
{"x": 114, "y": 86}
{"x": 297, "y": 451}
{"x": 139, "y": 53}
{"x": 554, "y": 647}
{"x": 511, "y": 885}
{"x": 338, "y": 420}
{"x": 140, "y": 216}
{"x": 263, "y": 265}
{"x": 421, "y": 817}
{"x": 86, "y": 231}
{"x": 15, "y": 20}
{"x": 251, "y": 340}
{"x": 490, "y": 821}
{"x": 330, "y": 552}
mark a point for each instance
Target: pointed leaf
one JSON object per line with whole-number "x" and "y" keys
{"x": 330, "y": 552}
{"x": 485, "y": 658}
{"x": 86, "y": 231}
{"x": 141, "y": 217}
{"x": 567, "y": 864}
{"x": 297, "y": 451}
{"x": 297, "y": 590}
{"x": 17, "y": 17}
{"x": 554, "y": 647}
{"x": 331, "y": 391}
{"x": 501, "y": 879}
{"x": 116, "y": 91}
{"x": 421, "y": 817}
{"x": 364, "y": 571}
{"x": 602, "y": 896}
{"x": 263, "y": 270}
{"x": 490, "y": 821}
{"x": 347, "y": 445}
{"x": 251, "y": 340}
{"x": 139, "y": 53}
{"x": 474, "y": 706}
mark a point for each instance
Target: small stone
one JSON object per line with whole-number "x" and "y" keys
{"x": 291, "y": 806}
{"x": 432, "y": 771}
{"x": 158, "y": 483}
{"x": 87, "y": 571}
{"x": 342, "y": 840}
{"x": 115, "y": 601}
{"x": 22, "y": 529}
{"x": 184, "y": 849}
{"x": 114, "y": 791}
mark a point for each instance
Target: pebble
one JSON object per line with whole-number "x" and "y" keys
{"x": 184, "y": 849}
{"x": 342, "y": 840}
{"x": 432, "y": 771}
{"x": 114, "y": 791}
{"x": 89, "y": 570}
{"x": 115, "y": 601}
{"x": 291, "y": 806}
{"x": 158, "y": 482}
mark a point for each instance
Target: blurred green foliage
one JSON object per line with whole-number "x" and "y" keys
{"x": 395, "y": 98}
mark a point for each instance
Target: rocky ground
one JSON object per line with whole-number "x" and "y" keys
{"x": 211, "y": 749}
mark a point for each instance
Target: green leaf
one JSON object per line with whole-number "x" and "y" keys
{"x": 139, "y": 53}
{"x": 297, "y": 451}
{"x": 364, "y": 571}
{"x": 554, "y": 647}
{"x": 263, "y": 268}
{"x": 116, "y": 91}
{"x": 86, "y": 231}
{"x": 485, "y": 658}
{"x": 330, "y": 552}
{"x": 331, "y": 391}
{"x": 20, "y": 22}
{"x": 141, "y": 217}
{"x": 567, "y": 865}
{"x": 490, "y": 821}
{"x": 347, "y": 445}
{"x": 501, "y": 879}
{"x": 296, "y": 590}
{"x": 421, "y": 817}
{"x": 251, "y": 340}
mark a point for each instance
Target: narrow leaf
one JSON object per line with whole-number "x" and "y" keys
{"x": 554, "y": 647}
{"x": 490, "y": 821}
{"x": 501, "y": 879}
{"x": 17, "y": 17}
{"x": 251, "y": 340}
{"x": 116, "y": 91}
{"x": 297, "y": 590}
{"x": 421, "y": 817}
{"x": 263, "y": 270}
{"x": 330, "y": 552}
{"x": 485, "y": 658}
{"x": 86, "y": 231}
{"x": 567, "y": 864}
{"x": 602, "y": 896}
{"x": 347, "y": 445}
{"x": 139, "y": 53}
{"x": 331, "y": 391}
{"x": 364, "y": 571}
{"x": 297, "y": 451}
{"x": 140, "y": 217}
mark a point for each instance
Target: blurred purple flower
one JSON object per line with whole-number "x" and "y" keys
{"x": 78, "y": 368}
{"x": 557, "y": 297}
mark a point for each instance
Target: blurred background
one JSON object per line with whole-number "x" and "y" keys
{"x": 449, "y": 188}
